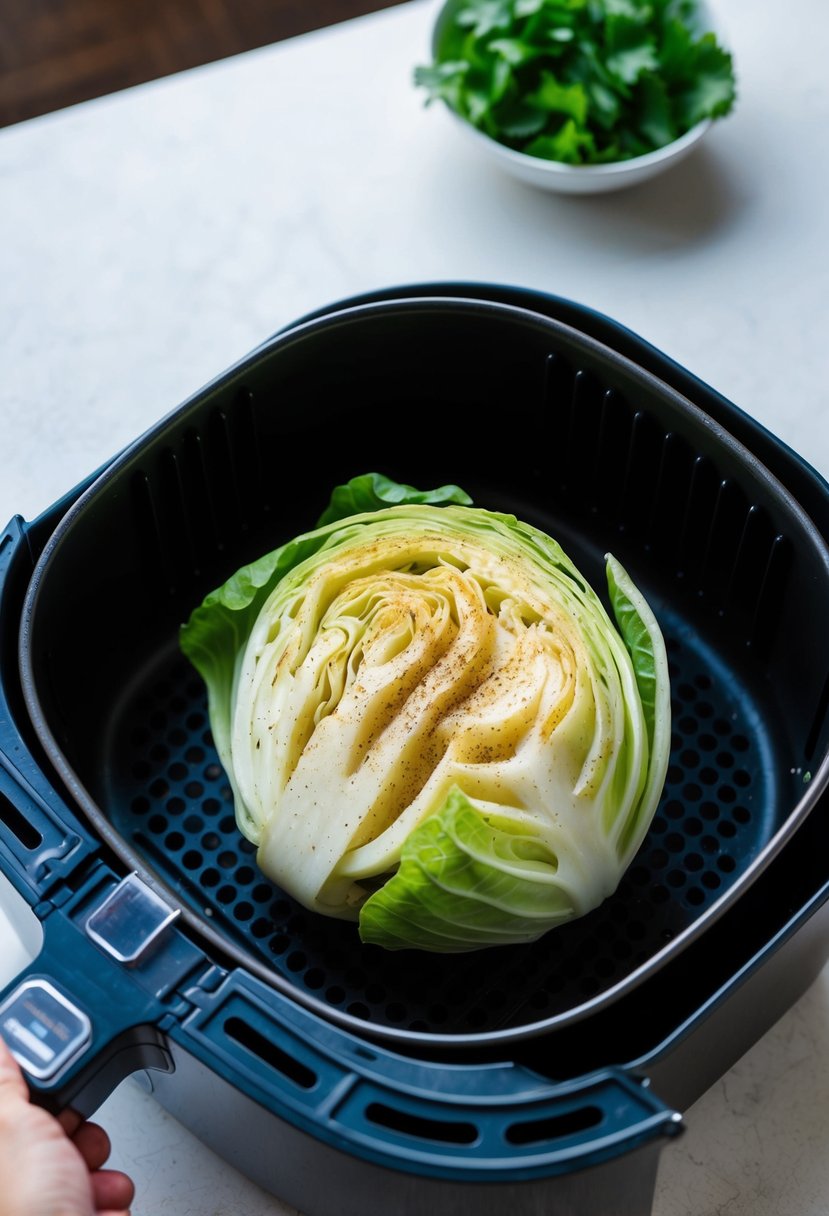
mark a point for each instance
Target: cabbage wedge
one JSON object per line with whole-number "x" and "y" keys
{"x": 430, "y": 722}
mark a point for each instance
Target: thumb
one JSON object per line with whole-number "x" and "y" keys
{"x": 13, "y": 1086}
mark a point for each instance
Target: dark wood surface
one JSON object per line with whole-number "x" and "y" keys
{"x": 54, "y": 53}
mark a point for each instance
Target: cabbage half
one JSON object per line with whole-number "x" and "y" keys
{"x": 430, "y": 723}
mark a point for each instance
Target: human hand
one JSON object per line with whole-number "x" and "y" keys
{"x": 51, "y": 1165}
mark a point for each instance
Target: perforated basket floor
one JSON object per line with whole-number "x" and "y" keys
{"x": 169, "y": 797}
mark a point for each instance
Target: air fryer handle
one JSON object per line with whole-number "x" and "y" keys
{"x": 99, "y": 1055}
{"x": 93, "y": 1006}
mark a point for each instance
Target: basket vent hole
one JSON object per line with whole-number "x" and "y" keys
{"x": 270, "y": 1053}
{"x": 364, "y": 1053}
{"x": 296, "y": 960}
{"x": 358, "y": 1010}
{"x": 407, "y": 1123}
{"x": 17, "y": 823}
{"x": 555, "y": 1127}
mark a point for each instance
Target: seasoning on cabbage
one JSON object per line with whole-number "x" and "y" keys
{"x": 430, "y": 723}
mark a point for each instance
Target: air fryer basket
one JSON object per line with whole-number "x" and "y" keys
{"x": 529, "y": 416}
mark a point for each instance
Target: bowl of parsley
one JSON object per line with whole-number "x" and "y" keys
{"x": 580, "y": 96}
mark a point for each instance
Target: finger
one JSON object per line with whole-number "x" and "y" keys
{"x": 12, "y": 1083}
{"x": 112, "y": 1190}
{"x": 93, "y": 1144}
{"x": 70, "y": 1121}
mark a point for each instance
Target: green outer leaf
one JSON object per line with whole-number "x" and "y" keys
{"x": 463, "y": 884}
{"x": 646, "y": 646}
{"x": 373, "y": 492}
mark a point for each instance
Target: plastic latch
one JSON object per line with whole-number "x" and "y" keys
{"x": 130, "y": 920}
{"x": 44, "y": 1030}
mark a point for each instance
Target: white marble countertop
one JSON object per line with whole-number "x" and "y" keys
{"x": 151, "y": 238}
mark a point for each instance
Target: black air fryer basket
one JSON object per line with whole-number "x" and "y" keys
{"x": 534, "y": 1078}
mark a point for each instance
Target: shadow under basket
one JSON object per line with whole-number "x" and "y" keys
{"x": 508, "y": 1075}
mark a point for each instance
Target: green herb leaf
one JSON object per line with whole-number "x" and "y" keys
{"x": 560, "y": 99}
{"x": 655, "y": 115}
{"x": 569, "y": 145}
{"x": 630, "y": 51}
{"x": 484, "y": 16}
{"x": 711, "y": 93}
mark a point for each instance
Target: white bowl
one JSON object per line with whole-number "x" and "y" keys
{"x": 581, "y": 179}
{"x": 571, "y": 179}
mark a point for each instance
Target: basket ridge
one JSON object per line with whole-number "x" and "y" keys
{"x": 203, "y": 490}
{"x": 655, "y": 488}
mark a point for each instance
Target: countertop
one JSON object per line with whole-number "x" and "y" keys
{"x": 152, "y": 238}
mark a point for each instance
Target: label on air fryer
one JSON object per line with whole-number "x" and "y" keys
{"x": 43, "y": 1029}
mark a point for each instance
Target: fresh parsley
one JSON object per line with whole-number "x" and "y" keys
{"x": 579, "y": 81}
